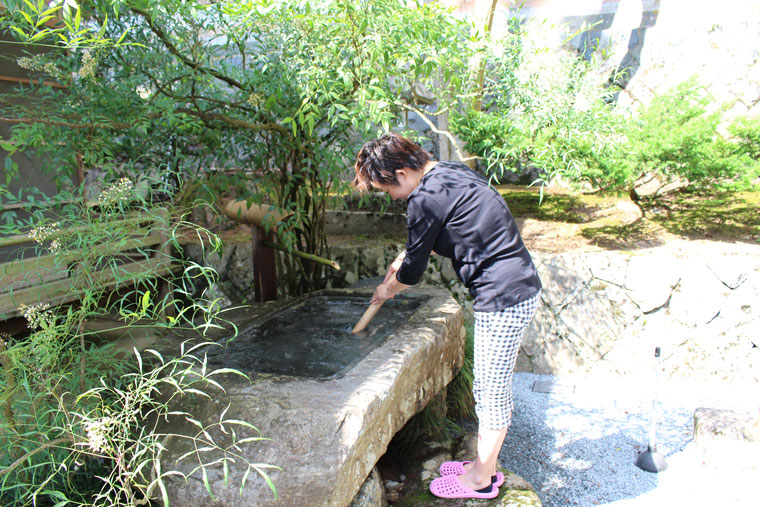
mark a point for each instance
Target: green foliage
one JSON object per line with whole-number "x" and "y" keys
{"x": 543, "y": 108}
{"x": 61, "y": 24}
{"x": 459, "y": 400}
{"x": 746, "y": 132}
{"x": 261, "y": 100}
{"x": 556, "y": 112}
{"x": 673, "y": 137}
{"x": 80, "y": 419}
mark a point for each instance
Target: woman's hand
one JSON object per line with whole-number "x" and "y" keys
{"x": 395, "y": 266}
{"x": 382, "y": 292}
{"x": 390, "y": 286}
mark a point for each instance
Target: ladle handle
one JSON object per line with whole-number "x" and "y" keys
{"x": 369, "y": 314}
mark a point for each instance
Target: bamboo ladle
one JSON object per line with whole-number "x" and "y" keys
{"x": 369, "y": 314}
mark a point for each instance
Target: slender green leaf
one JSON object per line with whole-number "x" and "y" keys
{"x": 207, "y": 484}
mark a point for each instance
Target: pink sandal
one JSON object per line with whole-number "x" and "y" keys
{"x": 457, "y": 468}
{"x": 449, "y": 486}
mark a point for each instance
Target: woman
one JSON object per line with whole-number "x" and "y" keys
{"x": 452, "y": 211}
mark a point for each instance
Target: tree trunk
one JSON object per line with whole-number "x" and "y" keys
{"x": 482, "y": 15}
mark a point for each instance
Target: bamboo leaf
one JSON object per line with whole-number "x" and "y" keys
{"x": 102, "y": 30}
{"x": 78, "y": 18}
{"x": 139, "y": 358}
{"x": 194, "y": 421}
{"x": 241, "y": 423}
{"x": 245, "y": 478}
{"x": 266, "y": 477}
{"x": 19, "y": 31}
{"x": 145, "y": 301}
{"x": 118, "y": 42}
{"x": 197, "y": 391}
{"x": 207, "y": 484}
{"x": 164, "y": 493}
{"x": 227, "y": 370}
{"x": 31, "y": 6}
{"x": 251, "y": 439}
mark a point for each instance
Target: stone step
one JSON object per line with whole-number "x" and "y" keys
{"x": 728, "y": 438}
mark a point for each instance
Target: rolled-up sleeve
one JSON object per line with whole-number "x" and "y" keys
{"x": 424, "y": 221}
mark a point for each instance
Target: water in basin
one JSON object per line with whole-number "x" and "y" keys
{"x": 312, "y": 338}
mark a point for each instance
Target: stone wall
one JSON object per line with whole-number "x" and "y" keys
{"x": 604, "y": 311}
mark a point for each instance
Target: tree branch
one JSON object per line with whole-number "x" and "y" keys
{"x": 29, "y": 454}
{"x": 235, "y": 122}
{"x": 73, "y": 125}
{"x": 437, "y": 131}
{"x": 185, "y": 60}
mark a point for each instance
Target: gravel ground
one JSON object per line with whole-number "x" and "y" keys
{"x": 578, "y": 443}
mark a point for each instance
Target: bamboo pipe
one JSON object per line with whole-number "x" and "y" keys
{"x": 256, "y": 214}
{"x": 369, "y": 314}
{"x": 302, "y": 255}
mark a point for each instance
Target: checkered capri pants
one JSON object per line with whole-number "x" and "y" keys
{"x": 497, "y": 341}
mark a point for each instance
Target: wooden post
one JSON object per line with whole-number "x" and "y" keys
{"x": 264, "y": 266}
{"x": 165, "y": 254}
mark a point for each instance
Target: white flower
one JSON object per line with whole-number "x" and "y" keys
{"x": 56, "y": 246}
{"x": 89, "y": 62}
{"x": 37, "y": 315}
{"x": 97, "y": 433}
{"x": 44, "y": 232}
{"x": 116, "y": 192}
{"x": 41, "y": 64}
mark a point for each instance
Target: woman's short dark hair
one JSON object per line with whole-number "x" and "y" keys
{"x": 379, "y": 160}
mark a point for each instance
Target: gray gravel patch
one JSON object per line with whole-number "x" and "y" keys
{"x": 577, "y": 444}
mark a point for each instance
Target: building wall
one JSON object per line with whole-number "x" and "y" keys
{"x": 30, "y": 169}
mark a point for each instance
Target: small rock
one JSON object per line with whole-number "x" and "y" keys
{"x": 431, "y": 464}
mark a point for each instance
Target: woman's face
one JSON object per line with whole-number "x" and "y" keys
{"x": 407, "y": 182}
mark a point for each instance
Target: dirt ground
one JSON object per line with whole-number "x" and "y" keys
{"x": 561, "y": 221}
{"x": 554, "y": 236}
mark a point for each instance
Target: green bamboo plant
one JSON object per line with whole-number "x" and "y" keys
{"x": 80, "y": 418}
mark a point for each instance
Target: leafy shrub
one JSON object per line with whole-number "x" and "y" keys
{"x": 79, "y": 420}
{"x": 554, "y": 111}
{"x": 278, "y": 95}
{"x": 548, "y": 109}
{"x": 676, "y": 136}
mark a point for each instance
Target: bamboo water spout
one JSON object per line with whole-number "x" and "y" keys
{"x": 256, "y": 215}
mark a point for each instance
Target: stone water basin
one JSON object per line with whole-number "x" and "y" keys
{"x": 328, "y": 401}
{"x": 311, "y": 336}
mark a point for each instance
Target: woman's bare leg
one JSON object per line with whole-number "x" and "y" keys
{"x": 478, "y": 473}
